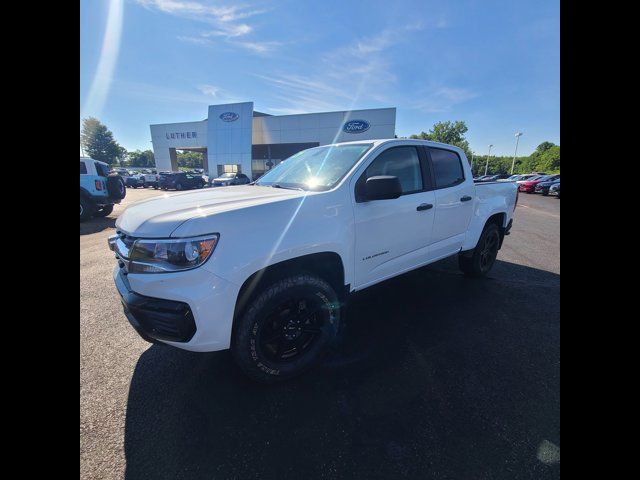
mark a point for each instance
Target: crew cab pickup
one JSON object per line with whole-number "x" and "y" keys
{"x": 265, "y": 269}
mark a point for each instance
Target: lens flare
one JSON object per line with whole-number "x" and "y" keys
{"x": 99, "y": 89}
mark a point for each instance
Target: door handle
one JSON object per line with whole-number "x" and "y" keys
{"x": 424, "y": 206}
{"x": 466, "y": 198}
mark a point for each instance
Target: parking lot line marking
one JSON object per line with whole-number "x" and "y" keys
{"x": 539, "y": 211}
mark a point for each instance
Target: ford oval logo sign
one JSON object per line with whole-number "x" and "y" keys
{"x": 229, "y": 116}
{"x": 356, "y": 126}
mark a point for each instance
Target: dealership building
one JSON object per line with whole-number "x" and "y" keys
{"x": 236, "y": 138}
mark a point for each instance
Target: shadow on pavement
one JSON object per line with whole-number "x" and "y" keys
{"x": 97, "y": 224}
{"x": 441, "y": 376}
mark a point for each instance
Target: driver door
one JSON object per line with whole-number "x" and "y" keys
{"x": 392, "y": 236}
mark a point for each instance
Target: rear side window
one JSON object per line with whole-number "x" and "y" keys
{"x": 103, "y": 170}
{"x": 401, "y": 162}
{"x": 447, "y": 167}
{"x": 83, "y": 168}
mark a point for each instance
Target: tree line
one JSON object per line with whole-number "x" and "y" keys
{"x": 546, "y": 157}
{"x": 97, "y": 142}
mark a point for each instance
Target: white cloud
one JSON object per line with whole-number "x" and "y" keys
{"x": 203, "y": 94}
{"x": 257, "y": 47}
{"x": 360, "y": 72}
{"x": 224, "y": 21}
{"x": 210, "y": 90}
{"x": 443, "y": 99}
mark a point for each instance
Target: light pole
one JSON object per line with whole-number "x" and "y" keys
{"x": 513, "y": 162}
{"x": 486, "y": 165}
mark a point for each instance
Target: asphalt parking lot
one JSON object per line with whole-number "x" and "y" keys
{"x": 440, "y": 377}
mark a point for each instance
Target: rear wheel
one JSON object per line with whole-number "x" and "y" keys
{"x": 480, "y": 260}
{"x": 178, "y": 186}
{"x": 103, "y": 211}
{"x": 286, "y": 328}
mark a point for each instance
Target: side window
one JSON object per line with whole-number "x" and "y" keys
{"x": 447, "y": 167}
{"x": 103, "y": 170}
{"x": 401, "y": 162}
{"x": 83, "y": 168}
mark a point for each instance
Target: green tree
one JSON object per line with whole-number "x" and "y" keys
{"x": 546, "y": 158}
{"x": 190, "y": 159}
{"x": 549, "y": 161}
{"x": 142, "y": 159}
{"x": 448, "y": 132}
{"x": 98, "y": 142}
{"x": 544, "y": 146}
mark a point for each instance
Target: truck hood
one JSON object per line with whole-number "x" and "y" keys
{"x": 160, "y": 216}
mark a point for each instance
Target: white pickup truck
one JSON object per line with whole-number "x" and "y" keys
{"x": 265, "y": 269}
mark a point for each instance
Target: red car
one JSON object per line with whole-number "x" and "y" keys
{"x": 529, "y": 186}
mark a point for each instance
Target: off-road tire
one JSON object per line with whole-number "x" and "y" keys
{"x": 480, "y": 260}
{"x": 87, "y": 207}
{"x": 103, "y": 211}
{"x": 257, "y": 320}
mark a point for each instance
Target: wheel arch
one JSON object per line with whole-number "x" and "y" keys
{"x": 327, "y": 265}
{"x": 85, "y": 194}
{"x": 473, "y": 235}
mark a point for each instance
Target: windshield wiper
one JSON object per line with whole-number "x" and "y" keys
{"x": 277, "y": 185}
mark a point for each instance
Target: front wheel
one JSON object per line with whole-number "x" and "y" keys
{"x": 286, "y": 328}
{"x": 178, "y": 186}
{"x": 480, "y": 260}
{"x": 86, "y": 209}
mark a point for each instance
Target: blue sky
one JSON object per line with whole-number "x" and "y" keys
{"x": 494, "y": 64}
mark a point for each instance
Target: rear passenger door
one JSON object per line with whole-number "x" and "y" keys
{"x": 454, "y": 200}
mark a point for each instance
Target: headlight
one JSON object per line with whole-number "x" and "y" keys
{"x": 171, "y": 255}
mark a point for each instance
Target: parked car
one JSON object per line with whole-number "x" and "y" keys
{"x": 511, "y": 178}
{"x": 518, "y": 177}
{"x": 527, "y": 176}
{"x": 481, "y": 178}
{"x": 123, "y": 172}
{"x": 543, "y": 187}
{"x": 134, "y": 180}
{"x": 227, "y": 179}
{"x": 99, "y": 189}
{"x": 555, "y": 189}
{"x": 150, "y": 179}
{"x": 496, "y": 178}
{"x": 529, "y": 186}
{"x": 264, "y": 268}
{"x": 179, "y": 180}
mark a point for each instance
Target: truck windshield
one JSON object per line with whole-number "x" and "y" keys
{"x": 319, "y": 168}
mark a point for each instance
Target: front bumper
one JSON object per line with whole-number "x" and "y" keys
{"x": 192, "y": 310}
{"x": 155, "y": 318}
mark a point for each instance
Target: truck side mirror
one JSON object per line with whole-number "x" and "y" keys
{"x": 382, "y": 187}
